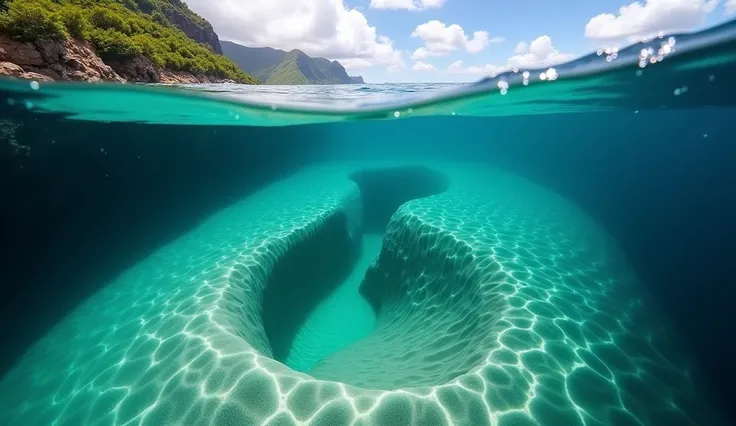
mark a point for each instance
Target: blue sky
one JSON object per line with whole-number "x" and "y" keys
{"x": 452, "y": 40}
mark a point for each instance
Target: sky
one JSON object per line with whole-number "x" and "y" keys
{"x": 452, "y": 40}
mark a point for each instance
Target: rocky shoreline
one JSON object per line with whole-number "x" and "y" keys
{"x": 76, "y": 60}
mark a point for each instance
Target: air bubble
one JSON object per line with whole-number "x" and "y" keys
{"x": 711, "y": 78}
{"x": 639, "y": 73}
{"x": 10, "y": 101}
{"x": 29, "y": 105}
{"x": 678, "y": 92}
{"x": 35, "y": 85}
{"x": 397, "y": 114}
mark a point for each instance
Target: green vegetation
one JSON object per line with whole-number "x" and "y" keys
{"x": 168, "y": 8}
{"x": 118, "y": 30}
{"x": 273, "y": 66}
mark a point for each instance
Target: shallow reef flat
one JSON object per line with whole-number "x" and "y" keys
{"x": 498, "y": 302}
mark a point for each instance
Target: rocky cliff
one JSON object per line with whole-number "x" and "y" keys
{"x": 201, "y": 32}
{"x": 77, "y": 61}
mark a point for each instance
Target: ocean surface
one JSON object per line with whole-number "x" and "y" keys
{"x": 542, "y": 247}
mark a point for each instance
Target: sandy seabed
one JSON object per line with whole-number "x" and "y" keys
{"x": 497, "y": 303}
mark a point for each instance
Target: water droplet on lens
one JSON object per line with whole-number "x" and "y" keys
{"x": 711, "y": 77}
{"x": 705, "y": 135}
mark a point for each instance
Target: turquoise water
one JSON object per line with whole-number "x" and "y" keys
{"x": 390, "y": 288}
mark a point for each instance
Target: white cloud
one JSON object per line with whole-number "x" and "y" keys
{"x": 639, "y": 20}
{"x": 540, "y": 53}
{"x": 407, "y": 4}
{"x": 318, "y": 27}
{"x": 457, "y": 68}
{"x": 730, "y": 6}
{"x": 423, "y": 66}
{"x": 440, "y": 39}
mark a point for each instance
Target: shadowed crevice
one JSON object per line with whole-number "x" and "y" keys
{"x": 384, "y": 190}
{"x": 303, "y": 277}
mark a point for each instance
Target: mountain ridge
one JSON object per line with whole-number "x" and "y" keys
{"x": 275, "y": 66}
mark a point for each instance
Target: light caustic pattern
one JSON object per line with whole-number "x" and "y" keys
{"x": 500, "y": 303}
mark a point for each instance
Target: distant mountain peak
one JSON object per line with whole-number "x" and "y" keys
{"x": 273, "y": 66}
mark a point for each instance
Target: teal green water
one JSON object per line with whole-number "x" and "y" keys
{"x": 343, "y": 318}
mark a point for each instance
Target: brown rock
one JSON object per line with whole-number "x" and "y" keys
{"x": 36, "y": 76}
{"x": 22, "y": 54}
{"x": 139, "y": 69}
{"x": 10, "y": 69}
{"x": 68, "y": 60}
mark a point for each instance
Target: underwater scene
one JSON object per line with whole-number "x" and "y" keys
{"x": 550, "y": 246}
